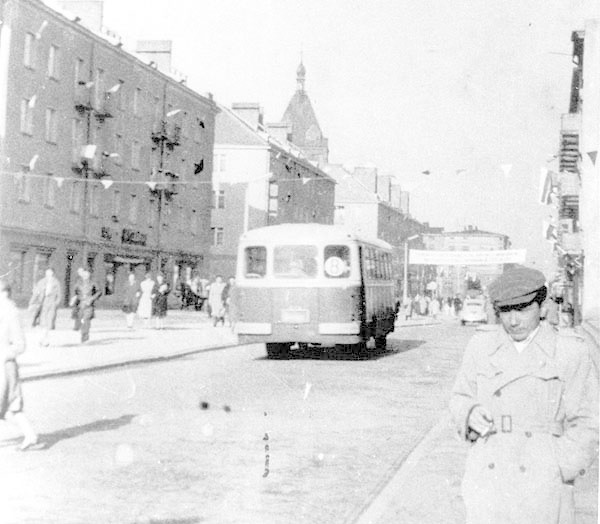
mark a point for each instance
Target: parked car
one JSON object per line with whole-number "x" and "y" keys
{"x": 473, "y": 310}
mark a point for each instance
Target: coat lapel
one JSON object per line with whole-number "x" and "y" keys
{"x": 537, "y": 359}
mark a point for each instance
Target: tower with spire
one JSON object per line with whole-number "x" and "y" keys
{"x": 303, "y": 127}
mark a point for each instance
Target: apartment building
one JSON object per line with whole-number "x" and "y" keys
{"x": 260, "y": 179}
{"x": 105, "y": 159}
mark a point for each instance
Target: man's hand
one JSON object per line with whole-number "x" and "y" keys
{"x": 481, "y": 420}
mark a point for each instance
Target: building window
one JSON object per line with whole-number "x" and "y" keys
{"x": 77, "y": 138}
{"x": 94, "y": 200}
{"x": 79, "y": 71}
{"x": 75, "y": 197}
{"x": 24, "y": 185}
{"x": 119, "y": 148}
{"x": 99, "y": 88}
{"x": 135, "y": 154}
{"x": 51, "y": 125}
{"x": 116, "y": 204}
{"x": 194, "y": 223}
{"x": 273, "y": 198}
{"x": 220, "y": 199}
{"x": 26, "y": 116}
{"x": 120, "y": 95}
{"x": 157, "y": 113}
{"x": 137, "y": 95}
{"x": 133, "y": 208}
{"x": 181, "y": 221}
{"x": 218, "y": 235}
{"x": 29, "y": 50}
{"x": 151, "y": 210}
{"x": 220, "y": 162}
{"x": 16, "y": 266}
{"x": 53, "y": 65}
{"x": 49, "y": 191}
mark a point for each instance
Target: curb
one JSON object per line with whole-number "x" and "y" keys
{"x": 402, "y": 472}
{"x": 79, "y": 370}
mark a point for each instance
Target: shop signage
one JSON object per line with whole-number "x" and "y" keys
{"x": 129, "y": 236}
{"x": 467, "y": 258}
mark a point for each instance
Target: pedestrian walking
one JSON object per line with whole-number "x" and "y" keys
{"x": 46, "y": 298}
{"x": 74, "y": 305}
{"x": 12, "y": 344}
{"x": 226, "y": 296}
{"x": 130, "y": 299}
{"x": 526, "y": 397}
{"x": 434, "y": 307}
{"x": 457, "y": 302}
{"x": 215, "y": 300}
{"x": 159, "y": 301}
{"x": 144, "y": 310}
{"x": 86, "y": 294}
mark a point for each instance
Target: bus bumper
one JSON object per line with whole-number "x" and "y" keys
{"x": 325, "y": 334}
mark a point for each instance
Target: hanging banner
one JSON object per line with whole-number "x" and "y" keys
{"x": 466, "y": 258}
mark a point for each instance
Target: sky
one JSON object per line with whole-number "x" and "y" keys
{"x": 456, "y": 88}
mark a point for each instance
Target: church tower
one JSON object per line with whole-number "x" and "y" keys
{"x": 304, "y": 129}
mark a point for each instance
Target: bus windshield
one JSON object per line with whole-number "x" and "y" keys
{"x": 295, "y": 261}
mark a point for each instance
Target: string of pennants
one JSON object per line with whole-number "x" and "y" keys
{"x": 152, "y": 184}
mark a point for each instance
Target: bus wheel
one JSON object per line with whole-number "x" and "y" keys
{"x": 359, "y": 350}
{"x": 278, "y": 350}
{"x": 380, "y": 343}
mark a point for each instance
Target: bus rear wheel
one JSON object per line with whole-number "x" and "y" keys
{"x": 278, "y": 350}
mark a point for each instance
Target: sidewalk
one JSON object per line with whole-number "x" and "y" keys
{"x": 112, "y": 343}
{"x": 426, "y": 488}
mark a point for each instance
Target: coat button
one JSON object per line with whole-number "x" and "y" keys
{"x": 491, "y": 465}
{"x": 522, "y": 469}
{"x": 582, "y": 472}
{"x": 528, "y": 434}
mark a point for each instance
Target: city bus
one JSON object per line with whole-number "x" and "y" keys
{"x": 313, "y": 285}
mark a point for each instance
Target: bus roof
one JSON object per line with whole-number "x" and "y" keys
{"x": 307, "y": 232}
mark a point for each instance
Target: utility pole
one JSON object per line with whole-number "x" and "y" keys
{"x": 85, "y": 161}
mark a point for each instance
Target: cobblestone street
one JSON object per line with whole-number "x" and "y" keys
{"x": 229, "y": 436}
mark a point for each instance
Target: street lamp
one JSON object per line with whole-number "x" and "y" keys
{"x": 405, "y": 287}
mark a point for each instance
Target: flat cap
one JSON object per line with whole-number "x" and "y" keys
{"x": 517, "y": 285}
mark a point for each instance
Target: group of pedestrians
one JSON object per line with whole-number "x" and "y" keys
{"x": 148, "y": 299}
{"x": 47, "y": 296}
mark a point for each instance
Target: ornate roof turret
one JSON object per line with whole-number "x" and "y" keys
{"x": 300, "y": 116}
{"x": 301, "y": 76}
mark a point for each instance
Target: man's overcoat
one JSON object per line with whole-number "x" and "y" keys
{"x": 544, "y": 403}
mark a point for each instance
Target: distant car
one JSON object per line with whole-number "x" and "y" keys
{"x": 473, "y": 310}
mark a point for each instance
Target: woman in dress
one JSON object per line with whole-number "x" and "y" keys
{"x": 215, "y": 300}
{"x": 12, "y": 344}
{"x": 130, "y": 300}
{"x": 144, "y": 309}
{"x": 159, "y": 301}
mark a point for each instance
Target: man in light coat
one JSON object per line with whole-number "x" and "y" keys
{"x": 46, "y": 298}
{"x": 526, "y": 398}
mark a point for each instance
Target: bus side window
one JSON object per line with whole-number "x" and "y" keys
{"x": 255, "y": 262}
